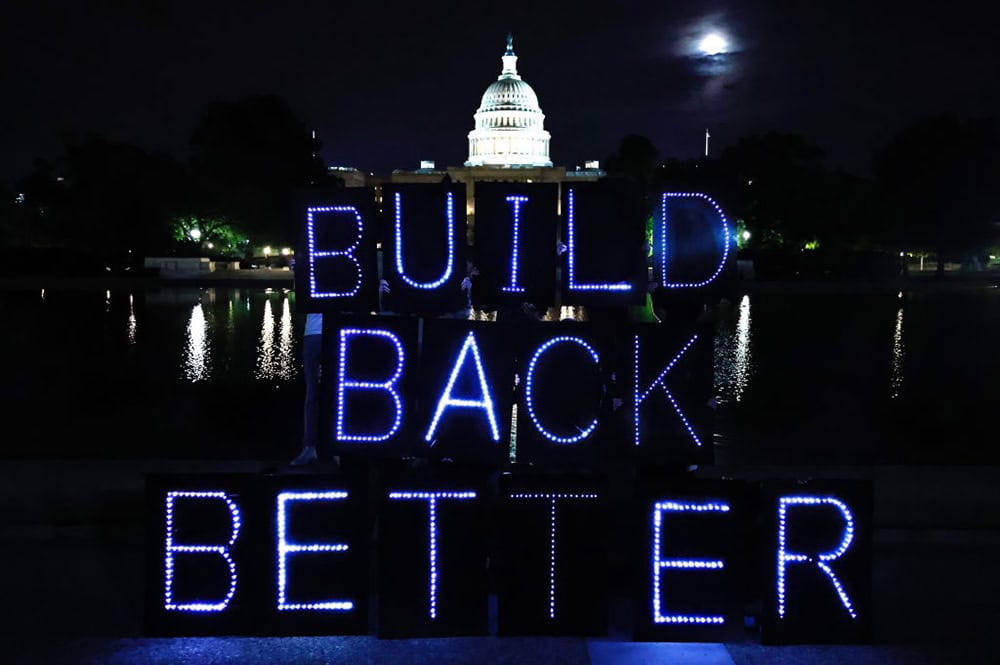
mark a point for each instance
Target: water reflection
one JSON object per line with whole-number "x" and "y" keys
{"x": 275, "y": 359}
{"x": 131, "y": 319}
{"x": 286, "y": 362}
{"x": 898, "y": 355}
{"x": 733, "y": 361}
{"x": 196, "y": 351}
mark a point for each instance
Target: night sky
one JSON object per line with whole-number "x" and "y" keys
{"x": 386, "y": 85}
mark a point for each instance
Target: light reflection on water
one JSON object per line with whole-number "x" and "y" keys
{"x": 898, "y": 356}
{"x": 196, "y": 349}
{"x": 275, "y": 360}
{"x": 733, "y": 361}
{"x": 251, "y": 334}
{"x": 131, "y": 319}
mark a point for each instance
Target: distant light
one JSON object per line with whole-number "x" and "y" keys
{"x": 427, "y": 163}
{"x": 285, "y": 251}
{"x": 592, "y": 164}
{"x": 713, "y": 44}
{"x": 267, "y": 251}
{"x": 746, "y": 235}
{"x": 210, "y": 245}
{"x": 902, "y": 254}
{"x": 195, "y": 234}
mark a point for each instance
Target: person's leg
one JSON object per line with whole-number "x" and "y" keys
{"x": 312, "y": 348}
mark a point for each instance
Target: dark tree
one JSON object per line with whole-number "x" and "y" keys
{"x": 779, "y": 183}
{"x": 41, "y": 206}
{"x": 121, "y": 198}
{"x": 636, "y": 158}
{"x": 847, "y": 215}
{"x": 939, "y": 181}
{"x": 248, "y": 157}
{"x": 7, "y": 216}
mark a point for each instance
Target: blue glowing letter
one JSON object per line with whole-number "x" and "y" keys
{"x": 821, "y": 560}
{"x": 347, "y": 252}
{"x": 172, "y": 549}
{"x": 571, "y": 242}
{"x": 431, "y": 498}
{"x": 552, "y": 537}
{"x": 286, "y": 548}
{"x": 663, "y": 241}
{"x": 681, "y": 564}
{"x": 516, "y": 202}
{"x": 449, "y": 265}
{"x": 639, "y": 396}
{"x": 485, "y": 402}
{"x": 529, "y": 390}
{"x": 389, "y": 385}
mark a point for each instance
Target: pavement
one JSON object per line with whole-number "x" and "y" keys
{"x": 71, "y": 548}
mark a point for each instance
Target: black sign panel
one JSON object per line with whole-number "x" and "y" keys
{"x": 515, "y": 248}
{"x": 424, "y": 248}
{"x": 604, "y": 230}
{"x": 336, "y": 268}
{"x": 817, "y": 560}
{"x": 197, "y": 546}
{"x": 551, "y": 555}
{"x": 694, "y": 553}
{"x": 236, "y": 555}
{"x": 466, "y": 391}
{"x": 664, "y": 377}
{"x": 317, "y": 555}
{"x": 692, "y": 243}
{"x": 370, "y": 368}
{"x": 432, "y": 557}
{"x": 562, "y": 398}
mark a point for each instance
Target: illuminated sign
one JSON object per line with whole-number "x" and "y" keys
{"x": 515, "y": 244}
{"x": 256, "y": 554}
{"x": 337, "y": 265}
{"x": 432, "y": 554}
{"x": 604, "y": 230}
{"x": 591, "y": 426}
{"x": 683, "y": 254}
{"x": 594, "y": 243}
{"x": 820, "y": 552}
{"x": 552, "y": 555}
{"x": 465, "y": 391}
{"x": 366, "y": 394}
{"x": 577, "y": 389}
{"x": 424, "y": 254}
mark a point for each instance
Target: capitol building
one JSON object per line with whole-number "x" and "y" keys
{"x": 509, "y": 123}
{"x": 508, "y": 143}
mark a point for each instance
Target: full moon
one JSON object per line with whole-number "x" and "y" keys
{"x": 713, "y": 44}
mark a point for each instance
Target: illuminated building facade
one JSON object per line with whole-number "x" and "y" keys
{"x": 509, "y": 123}
{"x": 508, "y": 144}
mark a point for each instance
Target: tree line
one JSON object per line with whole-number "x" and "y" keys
{"x": 934, "y": 190}
{"x": 113, "y": 199}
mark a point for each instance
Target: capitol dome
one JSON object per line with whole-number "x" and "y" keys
{"x": 509, "y": 123}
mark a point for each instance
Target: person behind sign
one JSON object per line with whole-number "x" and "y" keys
{"x": 312, "y": 369}
{"x": 312, "y": 362}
